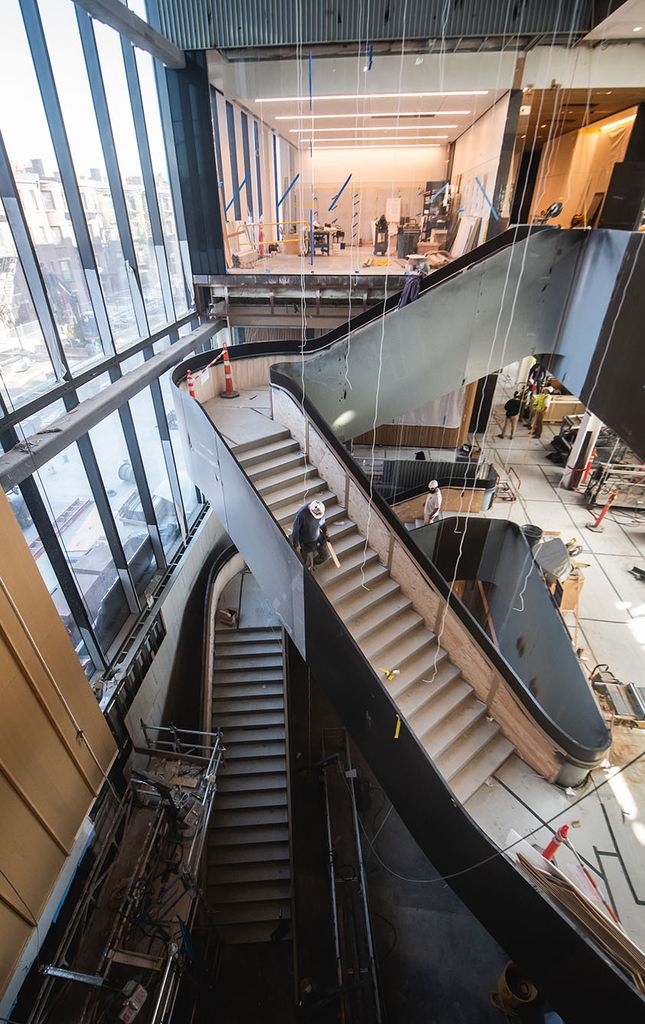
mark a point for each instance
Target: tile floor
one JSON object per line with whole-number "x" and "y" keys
{"x": 611, "y": 612}
{"x": 343, "y": 263}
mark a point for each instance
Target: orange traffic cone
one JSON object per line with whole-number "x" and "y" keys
{"x": 229, "y": 391}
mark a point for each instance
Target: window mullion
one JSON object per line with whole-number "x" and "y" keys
{"x": 99, "y": 100}
{"x": 141, "y": 479}
{"x": 169, "y": 456}
{"x": 30, "y": 266}
{"x": 47, "y": 86}
{"x": 147, "y": 171}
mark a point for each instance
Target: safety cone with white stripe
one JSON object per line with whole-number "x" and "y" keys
{"x": 190, "y": 381}
{"x": 229, "y": 391}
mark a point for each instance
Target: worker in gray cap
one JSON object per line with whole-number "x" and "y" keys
{"x": 432, "y": 507}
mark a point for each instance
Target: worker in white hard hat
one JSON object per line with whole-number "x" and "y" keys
{"x": 432, "y": 507}
{"x": 309, "y": 534}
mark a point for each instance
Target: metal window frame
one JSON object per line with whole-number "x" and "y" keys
{"x": 53, "y": 548}
{"x": 115, "y": 181}
{"x": 30, "y": 265}
{"x": 96, "y": 370}
{"x": 53, "y": 113}
{"x": 275, "y": 183}
{"x": 104, "y": 509}
{"x": 140, "y": 476}
{"x": 173, "y": 180}
{"x": 168, "y": 453}
{"x": 219, "y": 160}
{"x": 232, "y": 152}
{"x": 247, "y": 163}
{"x": 147, "y": 170}
{"x": 258, "y": 165}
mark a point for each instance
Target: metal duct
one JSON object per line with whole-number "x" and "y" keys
{"x": 228, "y": 24}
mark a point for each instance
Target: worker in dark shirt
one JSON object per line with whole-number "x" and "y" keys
{"x": 309, "y": 534}
{"x": 512, "y": 411}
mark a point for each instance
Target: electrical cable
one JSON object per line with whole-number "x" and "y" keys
{"x": 503, "y": 850}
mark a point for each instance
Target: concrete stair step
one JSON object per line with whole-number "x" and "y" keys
{"x": 377, "y": 618}
{"x": 391, "y": 632}
{"x": 243, "y": 818}
{"x": 276, "y": 464}
{"x": 466, "y": 747}
{"x": 261, "y": 853}
{"x": 252, "y": 934}
{"x": 246, "y": 873}
{"x": 248, "y": 750}
{"x": 222, "y": 895}
{"x": 340, "y": 527}
{"x": 359, "y": 602}
{"x": 245, "y": 693}
{"x": 238, "y": 768}
{"x": 248, "y": 662}
{"x": 249, "y": 783}
{"x": 349, "y": 563}
{"x": 234, "y": 734}
{"x": 465, "y": 715}
{"x": 249, "y": 450}
{"x": 398, "y": 650}
{"x": 417, "y": 666}
{"x": 357, "y": 579}
{"x": 249, "y": 648}
{"x": 229, "y": 706}
{"x": 423, "y": 693}
{"x": 348, "y": 542}
{"x": 229, "y": 634}
{"x": 430, "y": 716}
{"x": 252, "y": 798}
{"x": 247, "y": 719}
{"x": 247, "y": 677}
{"x": 251, "y": 836}
{"x": 303, "y": 490}
{"x": 467, "y": 781}
{"x": 252, "y": 913}
{"x": 296, "y": 474}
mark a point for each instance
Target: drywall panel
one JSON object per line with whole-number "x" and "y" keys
{"x": 476, "y": 156}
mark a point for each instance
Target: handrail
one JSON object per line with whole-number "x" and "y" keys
{"x": 585, "y": 755}
{"x": 310, "y": 346}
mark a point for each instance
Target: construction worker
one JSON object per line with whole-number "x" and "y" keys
{"x": 432, "y": 507}
{"x": 511, "y": 413}
{"x": 541, "y": 403}
{"x": 309, "y": 534}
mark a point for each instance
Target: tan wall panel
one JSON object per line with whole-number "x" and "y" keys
{"x": 15, "y": 934}
{"x": 55, "y": 745}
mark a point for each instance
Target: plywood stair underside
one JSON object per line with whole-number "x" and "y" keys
{"x": 466, "y": 745}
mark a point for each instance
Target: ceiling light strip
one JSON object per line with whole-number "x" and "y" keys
{"x": 374, "y": 128}
{"x": 374, "y": 138}
{"x": 406, "y": 145}
{"x": 370, "y": 96}
{"x": 383, "y": 113}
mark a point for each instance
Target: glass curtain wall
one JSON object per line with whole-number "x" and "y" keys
{"x": 92, "y": 262}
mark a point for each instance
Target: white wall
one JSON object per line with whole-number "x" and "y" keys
{"x": 575, "y": 166}
{"x": 150, "y": 701}
{"x": 377, "y": 175}
{"x": 476, "y": 155}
